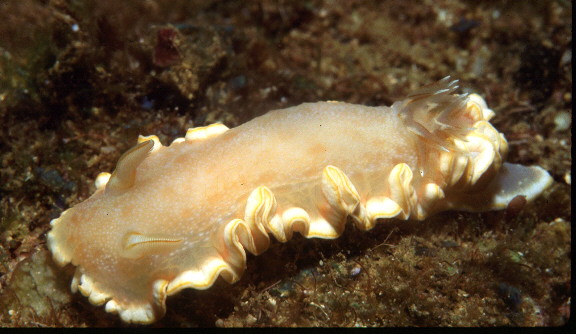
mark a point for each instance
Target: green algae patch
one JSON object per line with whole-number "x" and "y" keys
{"x": 36, "y": 293}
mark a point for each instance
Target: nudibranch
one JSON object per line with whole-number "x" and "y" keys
{"x": 179, "y": 216}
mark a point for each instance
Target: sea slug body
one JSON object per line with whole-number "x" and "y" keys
{"x": 178, "y": 216}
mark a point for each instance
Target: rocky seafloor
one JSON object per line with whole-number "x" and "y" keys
{"x": 79, "y": 80}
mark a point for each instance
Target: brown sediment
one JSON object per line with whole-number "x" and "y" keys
{"x": 64, "y": 121}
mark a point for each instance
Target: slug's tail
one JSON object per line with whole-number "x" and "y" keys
{"x": 461, "y": 148}
{"x": 438, "y": 115}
